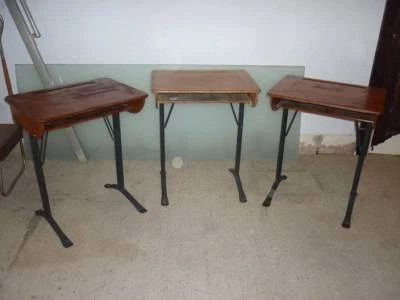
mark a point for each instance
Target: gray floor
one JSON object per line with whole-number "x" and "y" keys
{"x": 205, "y": 245}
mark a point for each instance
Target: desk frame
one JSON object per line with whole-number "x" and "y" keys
{"x": 46, "y": 213}
{"x": 359, "y": 104}
{"x": 363, "y": 137}
{"x": 203, "y": 86}
{"x": 98, "y": 98}
{"x": 234, "y": 171}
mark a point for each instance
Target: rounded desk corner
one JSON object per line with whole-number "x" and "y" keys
{"x": 254, "y": 99}
{"x": 136, "y": 106}
{"x": 275, "y": 104}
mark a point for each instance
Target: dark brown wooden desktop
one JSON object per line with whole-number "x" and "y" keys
{"x": 360, "y": 104}
{"x": 41, "y": 111}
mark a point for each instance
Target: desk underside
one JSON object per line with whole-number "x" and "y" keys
{"x": 204, "y": 98}
{"x": 322, "y": 110}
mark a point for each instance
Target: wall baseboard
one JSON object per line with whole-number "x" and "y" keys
{"x": 311, "y": 144}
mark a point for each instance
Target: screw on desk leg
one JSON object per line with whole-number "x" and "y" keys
{"x": 235, "y": 171}
{"x": 278, "y": 176}
{"x": 46, "y": 211}
{"x": 120, "y": 186}
{"x": 363, "y": 150}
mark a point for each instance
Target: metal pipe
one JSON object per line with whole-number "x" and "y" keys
{"x": 30, "y": 44}
{"x": 35, "y": 33}
{"x": 118, "y": 151}
{"x": 163, "y": 172}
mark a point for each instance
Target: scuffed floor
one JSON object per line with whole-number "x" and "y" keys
{"x": 205, "y": 244}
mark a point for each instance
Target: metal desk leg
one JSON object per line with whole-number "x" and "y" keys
{"x": 278, "y": 176}
{"x": 363, "y": 150}
{"x": 164, "y": 196}
{"x": 235, "y": 171}
{"x": 46, "y": 211}
{"x": 120, "y": 186}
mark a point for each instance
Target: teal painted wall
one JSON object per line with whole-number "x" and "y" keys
{"x": 194, "y": 132}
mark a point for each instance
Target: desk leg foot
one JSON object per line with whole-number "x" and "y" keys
{"x": 164, "y": 200}
{"x": 66, "y": 242}
{"x": 242, "y": 195}
{"x": 164, "y": 195}
{"x": 346, "y": 224}
{"x": 131, "y": 199}
{"x": 267, "y": 201}
{"x": 349, "y": 211}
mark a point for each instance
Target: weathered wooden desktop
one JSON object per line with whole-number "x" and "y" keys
{"x": 360, "y": 104}
{"x": 203, "y": 86}
{"x": 41, "y": 111}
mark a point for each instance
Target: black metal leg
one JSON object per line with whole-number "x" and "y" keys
{"x": 163, "y": 172}
{"x": 235, "y": 171}
{"x": 363, "y": 150}
{"x": 46, "y": 211}
{"x": 278, "y": 176}
{"x": 120, "y": 186}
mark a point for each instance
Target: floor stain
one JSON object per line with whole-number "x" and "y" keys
{"x": 33, "y": 223}
{"x": 18, "y": 209}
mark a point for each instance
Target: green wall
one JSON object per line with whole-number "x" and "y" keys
{"x": 195, "y": 131}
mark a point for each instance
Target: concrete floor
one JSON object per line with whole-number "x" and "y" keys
{"x": 205, "y": 245}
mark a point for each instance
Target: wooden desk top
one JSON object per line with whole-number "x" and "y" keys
{"x": 339, "y": 100}
{"x": 64, "y": 106}
{"x": 216, "y": 86}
